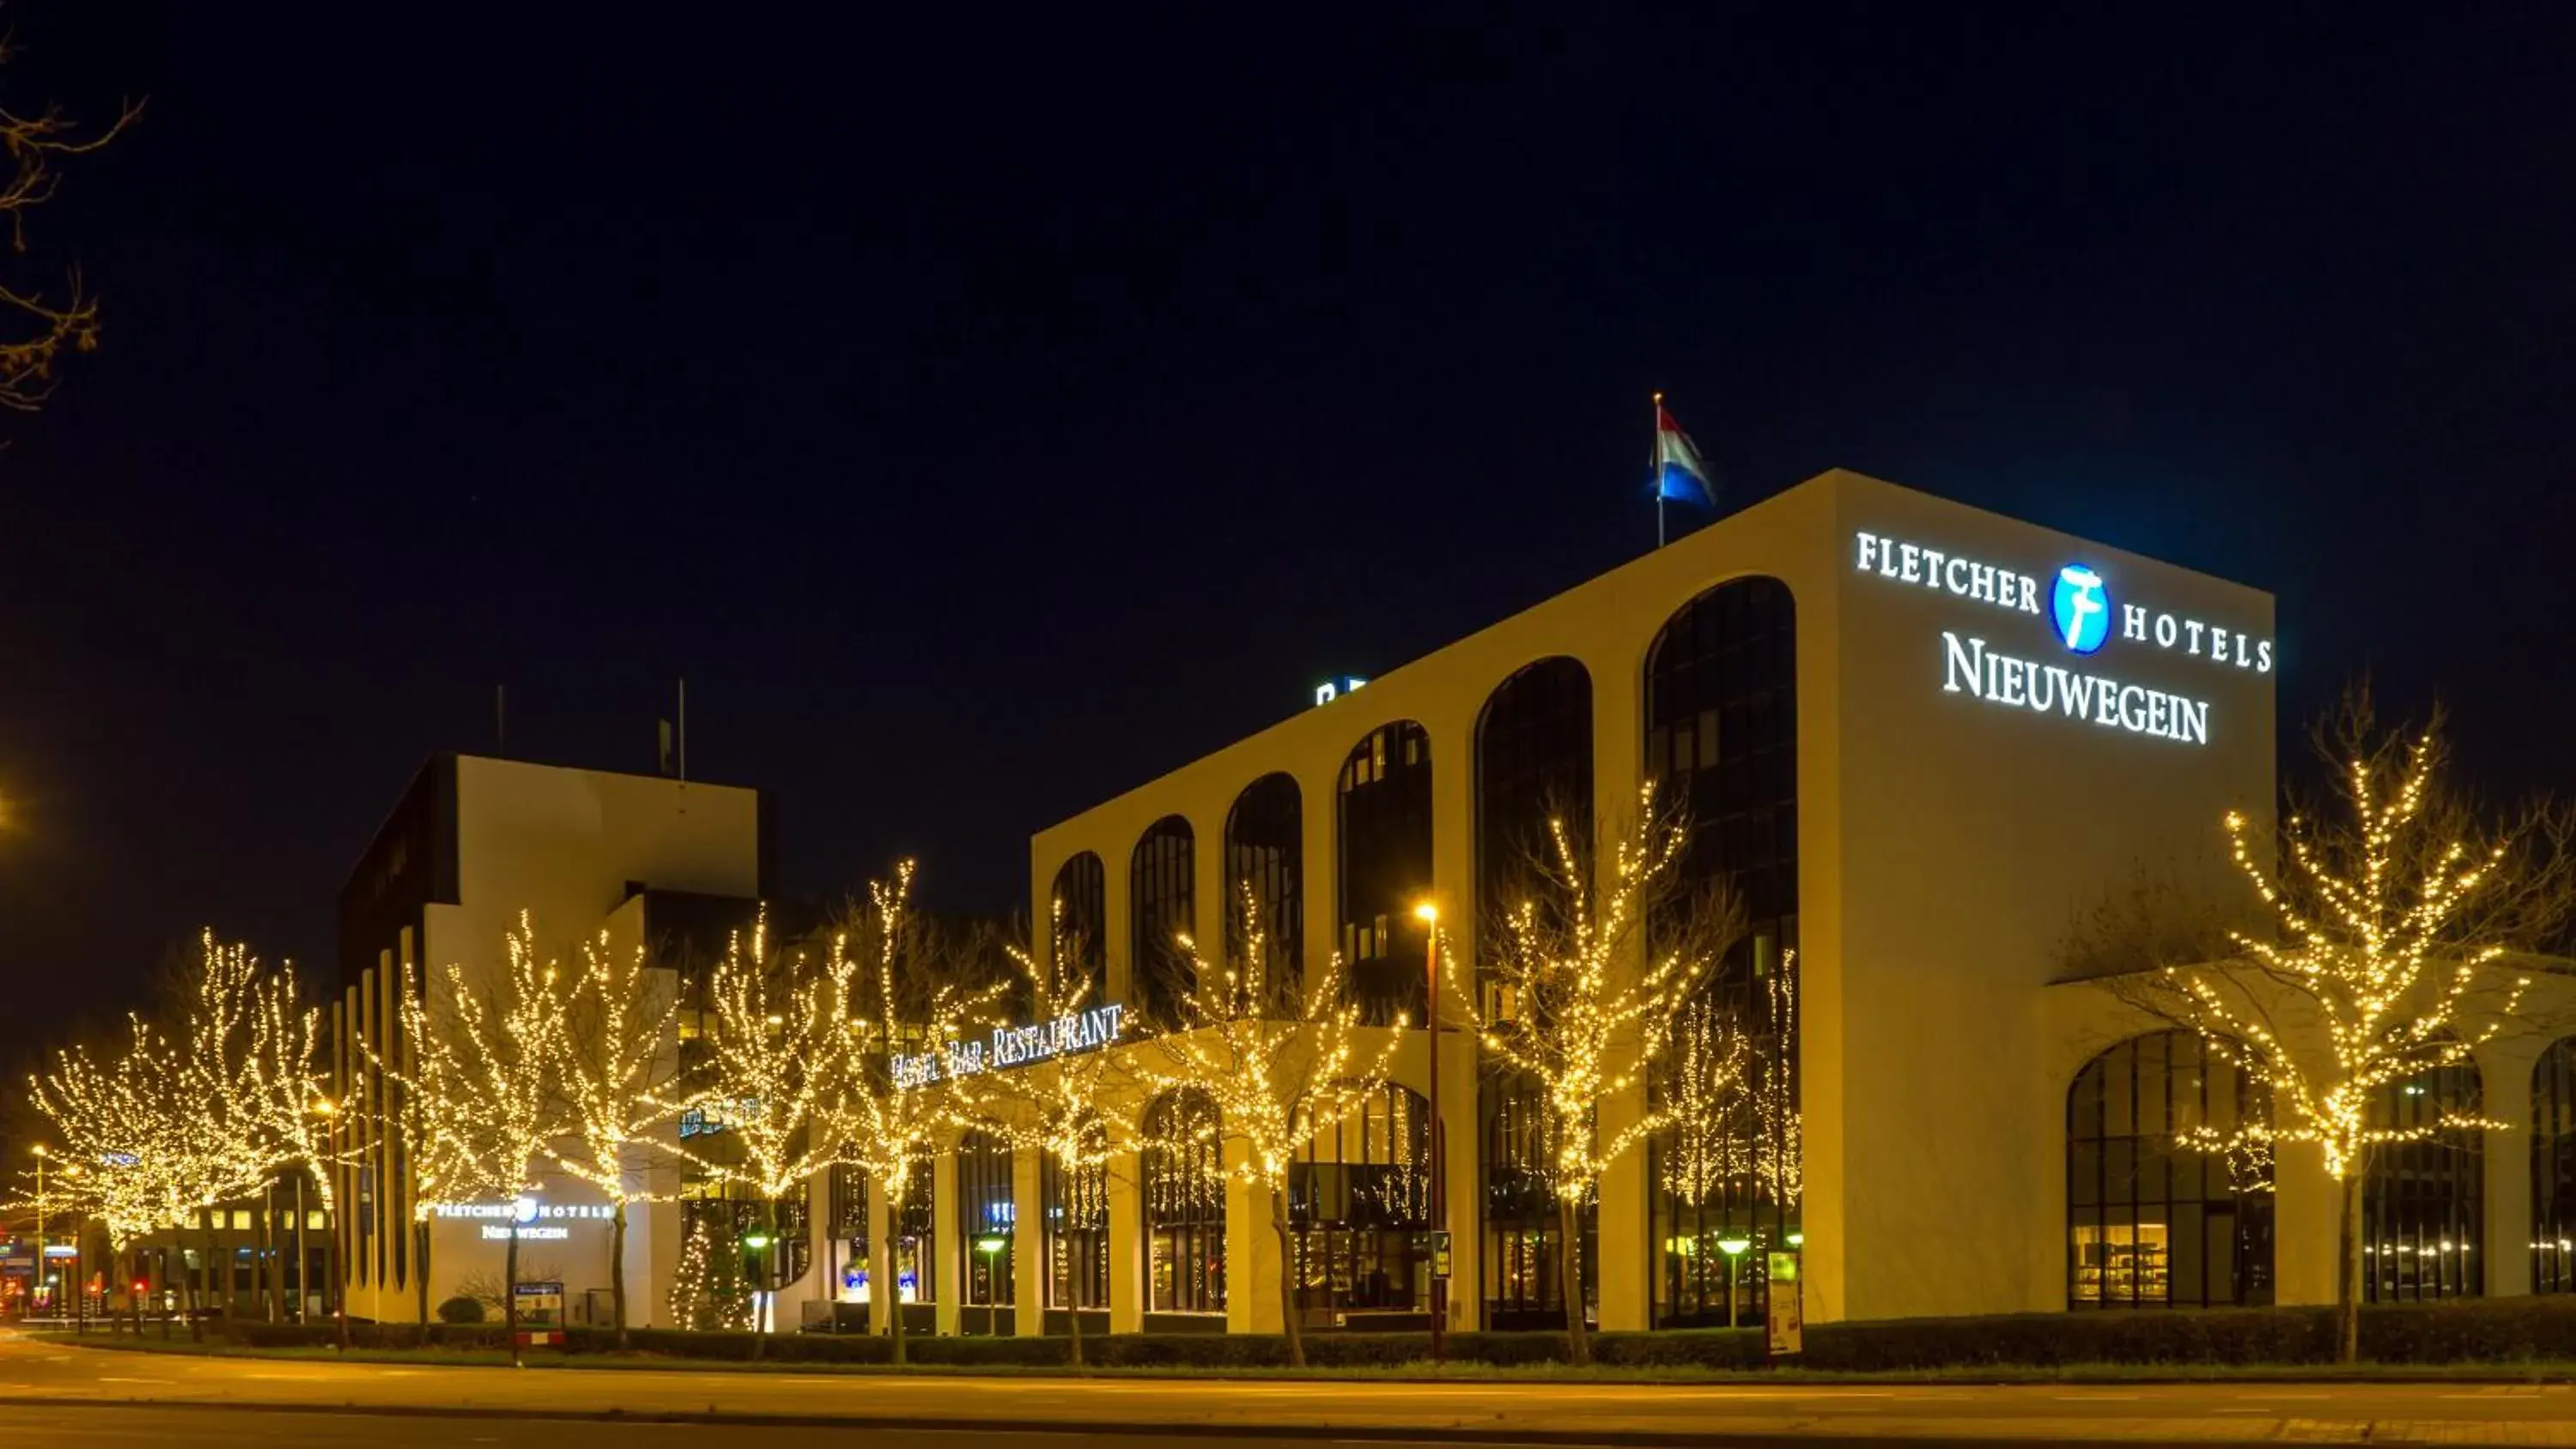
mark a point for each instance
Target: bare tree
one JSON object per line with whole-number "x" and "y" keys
{"x": 2404, "y": 920}
{"x": 1584, "y": 996}
{"x": 42, "y": 324}
{"x": 1280, "y": 1058}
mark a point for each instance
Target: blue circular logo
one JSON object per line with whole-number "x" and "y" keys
{"x": 2081, "y": 608}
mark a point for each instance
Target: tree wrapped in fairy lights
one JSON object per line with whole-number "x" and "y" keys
{"x": 621, "y": 1084}
{"x": 2398, "y": 912}
{"x": 780, "y": 1047}
{"x": 1061, "y": 1108}
{"x": 1278, "y": 1052}
{"x": 902, "y": 1094}
{"x": 1579, "y": 1001}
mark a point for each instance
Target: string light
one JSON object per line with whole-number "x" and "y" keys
{"x": 1278, "y": 1060}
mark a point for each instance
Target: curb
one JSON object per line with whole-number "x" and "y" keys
{"x": 1303, "y": 1433}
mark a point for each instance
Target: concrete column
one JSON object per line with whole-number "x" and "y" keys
{"x": 1453, "y": 886}
{"x": 2306, "y": 1216}
{"x": 947, "y": 1246}
{"x": 1617, "y": 735}
{"x": 1116, "y": 922}
{"x": 1320, "y": 867}
{"x": 1211, "y": 893}
{"x": 1126, "y": 1245}
{"x": 1028, "y": 1244}
{"x": 2505, "y": 1083}
{"x": 1251, "y": 1253}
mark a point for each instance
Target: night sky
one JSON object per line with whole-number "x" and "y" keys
{"x": 987, "y": 411}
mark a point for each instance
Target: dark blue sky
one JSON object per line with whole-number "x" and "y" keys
{"x": 987, "y": 412}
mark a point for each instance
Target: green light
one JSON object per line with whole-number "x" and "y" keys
{"x": 1797, "y": 1240}
{"x": 991, "y": 1245}
{"x": 756, "y": 1241}
{"x": 1733, "y": 1247}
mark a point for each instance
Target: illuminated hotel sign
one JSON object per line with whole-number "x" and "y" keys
{"x": 529, "y": 1219}
{"x": 1328, "y": 691}
{"x": 1016, "y": 1046}
{"x": 2078, "y": 615}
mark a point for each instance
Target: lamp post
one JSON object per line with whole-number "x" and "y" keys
{"x": 1429, "y": 915}
{"x": 41, "y": 1262}
{"x": 1733, "y": 1248}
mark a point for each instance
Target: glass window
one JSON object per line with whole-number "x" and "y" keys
{"x": 1265, "y": 854}
{"x": 985, "y": 1217}
{"x": 2553, "y": 1169}
{"x": 1356, "y": 1201}
{"x": 2422, "y": 1202}
{"x": 1159, "y": 895}
{"x": 1082, "y": 894}
{"x": 1523, "y": 1283}
{"x": 2152, "y": 1223}
{"x": 1385, "y": 870}
{"x": 1722, "y": 740}
{"x": 1077, "y": 1233}
{"x": 1184, "y": 1204}
{"x": 1533, "y": 761}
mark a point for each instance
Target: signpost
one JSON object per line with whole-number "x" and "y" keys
{"x": 540, "y": 1304}
{"x": 1784, "y": 1328}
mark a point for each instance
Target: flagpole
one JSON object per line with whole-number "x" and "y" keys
{"x": 1654, "y": 460}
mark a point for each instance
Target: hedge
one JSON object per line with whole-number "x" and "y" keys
{"x": 2507, "y": 1330}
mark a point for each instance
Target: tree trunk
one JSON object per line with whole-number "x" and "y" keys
{"x": 894, "y": 1276}
{"x": 759, "y": 1310}
{"x": 1569, "y": 1258}
{"x": 420, "y": 1271}
{"x": 1288, "y": 1314}
{"x": 187, "y": 1291}
{"x": 263, "y": 1259}
{"x": 2348, "y": 1278}
{"x": 1072, "y": 1309}
{"x": 510, "y": 1295}
{"x": 617, "y": 1270}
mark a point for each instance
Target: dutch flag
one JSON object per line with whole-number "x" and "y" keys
{"x": 1678, "y": 474}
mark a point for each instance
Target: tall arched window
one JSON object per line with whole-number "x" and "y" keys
{"x": 1077, "y": 1233}
{"x": 2152, "y": 1223}
{"x": 1160, "y": 909}
{"x": 1184, "y": 1176}
{"x": 1081, "y": 898}
{"x": 1356, "y": 1200}
{"x": 986, "y": 1215}
{"x": 1385, "y": 869}
{"x": 2553, "y": 1169}
{"x": 1721, "y": 740}
{"x": 1265, "y": 855}
{"x": 1533, "y": 758}
{"x": 2423, "y": 1202}
{"x": 1533, "y": 761}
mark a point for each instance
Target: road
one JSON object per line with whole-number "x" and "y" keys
{"x": 293, "y": 1402}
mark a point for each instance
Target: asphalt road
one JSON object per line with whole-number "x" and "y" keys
{"x": 414, "y": 1403}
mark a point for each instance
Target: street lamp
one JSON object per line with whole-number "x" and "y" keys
{"x": 1429, "y": 915}
{"x": 41, "y": 1154}
{"x": 1733, "y": 1248}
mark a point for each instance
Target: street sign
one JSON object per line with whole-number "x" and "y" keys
{"x": 1784, "y": 1327}
{"x": 540, "y": 1302}
{"x": 1437, "y": 1245}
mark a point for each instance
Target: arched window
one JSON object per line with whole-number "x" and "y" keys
{"x": 2152, "y": 1222}
{"x": 1081, "y": 898}
{"x": 846, "y": 1200}
{"x": 1385, "y": 836}
{"x": 2553, "y": 1169}
{"x": 1160, "y": 909}
{"x": 1265, "y": 855}
{"x": 2423, "y": 1202}
{"x": 1533, "y": 761}
{"x": 1077, "y": 1233}
{"x": 986, "y": 1215}
{"x": 916, "y": 1254}
{"x": 1184, "y": 1204}
{"x": 1356, "y": 1200}
{"x": 1721, "y": 740}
